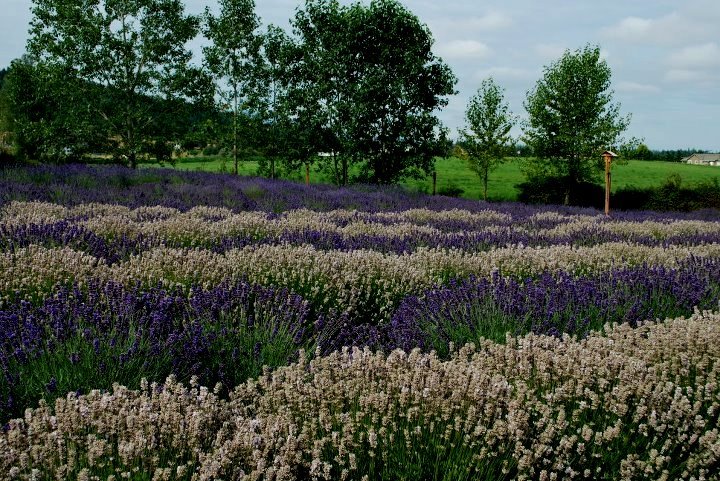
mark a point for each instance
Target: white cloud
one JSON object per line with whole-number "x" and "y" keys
{"x": 672, "y": 29}
{"x": 451, "y": 25}
{"x": 635, "y": 87}
{"x": 463, "y": 49}
{"x": 490, "y": 21}
{"x": 632, "y": 27}
{"x": 702, "y": 56}
{"x": 680, "y": 76}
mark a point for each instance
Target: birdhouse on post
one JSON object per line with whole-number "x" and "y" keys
{"x": 607, "y": 156}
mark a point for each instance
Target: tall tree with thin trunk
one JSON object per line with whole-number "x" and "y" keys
{"x": 135, "y": 49}
{"x": 486, "y": 139}
{"x": 572, "y": 119}
{"x": 324, "y": 76}
{"x": 232, "y": 55}
{"x": 270, "y": 93}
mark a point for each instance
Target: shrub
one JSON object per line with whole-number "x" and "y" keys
{"x": 211, "y": 150}
{"x": 553, "y": 190}
{"x": 450, "y": 191}
{"x": 672, "y": 195}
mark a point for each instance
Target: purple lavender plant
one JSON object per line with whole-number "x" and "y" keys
{"x": 75, "y": 184}
{"x": 83, "y": 339}
{"x": 551, "y": 304}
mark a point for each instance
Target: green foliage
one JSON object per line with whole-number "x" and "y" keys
{"x": 555, "y": 190}
{"x": 643, "y": 152}
{"x": 6, "y": 122}
{"x": 571, "y": 119}
{"x": 672, "y": 195}
{"x": 450, "y": 190}
{"x": 39, "y": 104}
{"x": 486, "y": 141}
{"x": 161, "y": 150}
{"x": 134, "y": 49}
{"x": 232, "y": 58}
{"x": 365, "y": 80}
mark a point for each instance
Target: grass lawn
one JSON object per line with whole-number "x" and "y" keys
{"x": 639, "y": 173}
{"x": 454, "y": 173}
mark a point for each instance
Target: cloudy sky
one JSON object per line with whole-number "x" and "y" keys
{"x": 664, "y": 54}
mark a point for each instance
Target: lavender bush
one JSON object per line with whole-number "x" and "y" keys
{"x": 109, "y": 275}
{"x": 551, "y": 304}
{"x": 82, "y": 339}
{"x": 636, "y": 403}
{"x": 77, "y": 184}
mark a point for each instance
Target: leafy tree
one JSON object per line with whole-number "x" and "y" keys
{"x": 322, "y": 79}
{"x": 369, "y": 82}
{"x": 5, "y": 118}
{"x": 396, "y": 131}
{"x": 280, "y": 130}
{"x": 232, "y": 57}
{"x": 643, "y": 152}
{"x": 487, "y": 141}
{"x": 135, "y": 49}
{"x": 38, "y": 109}
{"x": 571, "y": 118}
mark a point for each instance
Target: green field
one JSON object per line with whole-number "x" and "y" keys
{"x": 453, "y": 172}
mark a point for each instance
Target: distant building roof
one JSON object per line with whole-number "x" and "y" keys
{"x": 702, "y": 158}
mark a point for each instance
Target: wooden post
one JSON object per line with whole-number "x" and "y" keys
{"x": 608, "y": 156}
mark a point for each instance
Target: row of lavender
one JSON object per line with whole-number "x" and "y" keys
{"x": 114, "y": 233}
{"x": 427, "y": 297}
{"x": 91, "y": 337}
{"x": 637, "y": 403}
{"x": 94, "y": 294}
{"x": 81, "y": 184}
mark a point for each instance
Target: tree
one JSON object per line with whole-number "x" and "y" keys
{"x": 5, "y": 120}
{"x": 487, "y": 140}
{"x": 369, "y": 79}
{"x": 571, "y": 119}
{"x": 642, "y": 152}
{"x": 135, "y": 49}
{"x": 281, "y": 133}
{"x": 232, "y": 56}
{"x": 38, "y": 109}
{"x": 322, "y": 79}
{"x": 397, "y": 133}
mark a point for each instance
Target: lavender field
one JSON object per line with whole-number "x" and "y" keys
{"x": 162, "y": 325}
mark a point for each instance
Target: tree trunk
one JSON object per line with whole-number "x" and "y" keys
{"x": 336, "y": 169}
{"x": 235, "y": 114}
{"x": 344, "y": 170}
{"x": 307, "y": 173}
{"x": 131, "y": 148}
{"x": 485, "y": 184}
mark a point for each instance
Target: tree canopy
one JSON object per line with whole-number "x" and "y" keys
{"x": 572, "y": 119}
{"x": 40, "y": 108}
{"x": 486, "y": 139}
{"x": 366, "y": 78}
{"x": 232, "y": 57}
{"x": 135, "y": 49}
